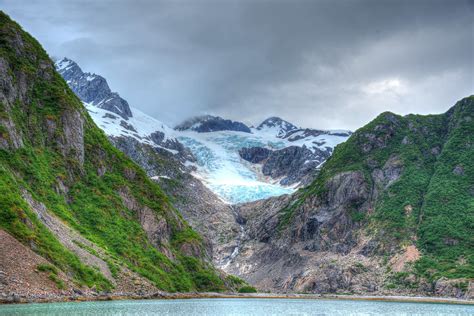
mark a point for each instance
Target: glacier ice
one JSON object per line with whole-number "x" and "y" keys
{"x": 218, "y": 165}
{"x": 221, "y": 169}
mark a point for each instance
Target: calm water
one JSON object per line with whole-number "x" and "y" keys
{"x": 220, "y": 307}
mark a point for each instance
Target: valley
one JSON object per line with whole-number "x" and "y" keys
{"x": 100, "y": 199}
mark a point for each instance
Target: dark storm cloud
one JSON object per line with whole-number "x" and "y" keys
{"x": 327, "y": 64}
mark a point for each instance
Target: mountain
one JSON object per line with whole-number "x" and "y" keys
{"x": 298, "y": 162}
{"x": 92, "y": 88}
{"x": 78, "y": 217}
{"x": 114, "y": 115}
{"x": 209, "y": 123}
{"x": 225, "y": 159}
{"x": 154, "y": 147}
{"x": 208, "y": 147}
{"x": 390, "y": 212}
{"x": 276, "y": 126}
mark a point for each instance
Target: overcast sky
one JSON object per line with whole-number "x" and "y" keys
{"x": 323, "y": 64}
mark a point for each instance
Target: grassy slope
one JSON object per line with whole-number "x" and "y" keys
{"x": 92, "y": 205}
{"x": 441, "y": 222}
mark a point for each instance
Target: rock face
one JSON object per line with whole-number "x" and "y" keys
{"x": 254, "y": 154}
{"x": 368, "y": 218}
{"x": 300, "y": 160}
{"x": 289, "y": 165}
{"x": 209, "y": 123}
{"x": 92, "y": 88}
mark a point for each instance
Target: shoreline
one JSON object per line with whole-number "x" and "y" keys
{"x": 173, "y": 296}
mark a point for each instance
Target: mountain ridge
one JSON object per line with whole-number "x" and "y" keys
{"x": 94, "y": 219}
{"x": 92, "y": 88}
{"x": 390, "y": 212}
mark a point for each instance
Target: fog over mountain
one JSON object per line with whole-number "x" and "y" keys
{"x": 322, "y": 64}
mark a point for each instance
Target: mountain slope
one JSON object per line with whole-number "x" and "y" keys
{"x": 154, "y": 147}
{"x": 73, "y": 198}
{"x": 391, "y": 211}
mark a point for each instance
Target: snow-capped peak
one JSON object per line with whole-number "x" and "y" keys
{"x": 64, "y": 63}
{"x": 92, "y": 89}
{"x": 276, "y": 126}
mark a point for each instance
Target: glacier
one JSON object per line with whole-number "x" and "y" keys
{"x": 221, "y": 169}
{"x": 218, "y": 164}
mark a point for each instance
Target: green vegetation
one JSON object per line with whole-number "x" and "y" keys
{"x": 402, "y": 280}
{"x": 53, "y": 274}
{"x": 247, "y": 289}
{"x": 51, "y": 171}
{"x": 431, "y": 204}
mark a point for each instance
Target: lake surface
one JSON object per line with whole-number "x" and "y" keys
{"x": 220, "y": 307}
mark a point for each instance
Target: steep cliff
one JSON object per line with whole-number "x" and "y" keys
{"x": 84, "y": 213}
{"x": 391, "y": 211}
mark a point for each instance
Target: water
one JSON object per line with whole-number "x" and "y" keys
{"x": 221, "y": 307}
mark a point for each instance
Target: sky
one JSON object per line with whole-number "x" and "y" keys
{"x": 323, "y": 64}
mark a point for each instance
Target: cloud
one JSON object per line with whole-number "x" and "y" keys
{"x": 323, "y": 64}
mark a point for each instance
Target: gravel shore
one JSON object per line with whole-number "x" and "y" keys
{"x": 17, "y": 299}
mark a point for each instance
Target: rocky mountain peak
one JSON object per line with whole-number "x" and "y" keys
{"x": 210, "y": 123}
{"x": 92, "y": 88}
{"x": 278, "y": 125}
{"x": 68, "y": 68}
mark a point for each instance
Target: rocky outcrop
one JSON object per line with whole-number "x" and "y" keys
{"x": 209, "y": 123}
{"x": 156, "y": 227}
{"x": 183, "y": 153}
{"x": 294, "y": 164}
{"x": 289, "y": 165}
{"x": 254, "y": 154}
{"x": 73, "y": 140}
{"x": 92, "y": 88}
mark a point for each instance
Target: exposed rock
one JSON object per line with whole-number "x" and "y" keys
{"x": 127, "y": 126}
{"x": 289, "y": 165}
{"x": 293, "y": 164}
{"x": 73, "y": 140}
{"x": 92, "y": 88}
{"x": 452, "y": 288}
{"x": 410, "y": 254}
{"x": 254, "y": 154}
{"x": 436, "y": 150}
{"x": 70, "y": 238}
{"x": 10, "y": 137}
{"x": 209, "y": 123}
{"x": 406, "y": 140}
{"x": 157, "y": 229}
{"x": 458, "y": 170}
{"x": 389, "y": 173}
{"x": 280, "y": 126}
